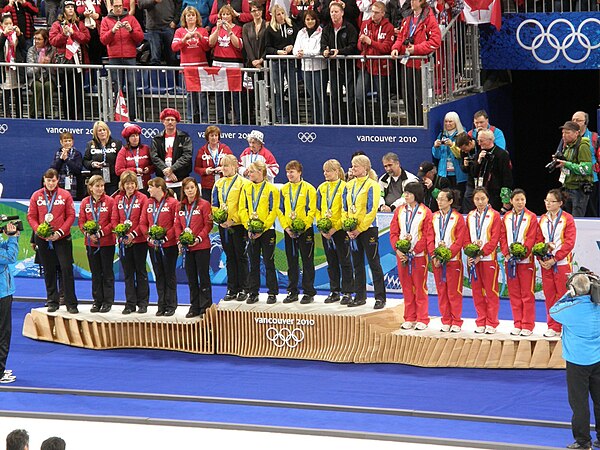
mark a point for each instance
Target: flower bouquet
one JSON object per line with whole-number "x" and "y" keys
{"x": 122, "y": 230}
{"x": 517, "y": 250}
{"x": 256, "y": 226}
{"x": 91, "y": 227}
{"x": 350, "y": 224}
{"x": 442, "y": 254}
{"x": 542, "y": 251}
{"x": 44, "y": 230}
{"x": 186, "y": 239}
{"x": 324, "y": 225}
{"x": 298, "y": 226}
{"x": 156, "y": 233}
{"x": 220, "y": 216}
{"x": 472, "y": 250}
{"x": 403, "y": 245}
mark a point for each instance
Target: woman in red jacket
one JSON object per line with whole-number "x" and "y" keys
{"x": 520, "y": 226}
{"x": 161, "y": 211}
{"x": 130, "y": 209}
{"x": 559, "y": 232}
{"x": 191, "y": 41}
{"x": 195, "y": 216}
{"x": 484, "y": 226}
{"x": 68, "y": 28}
{"x": 412, "y": 222}
{"x": 100, "y": 245}
{"x": 449, "y": 232}
{"x": 207, "y": 160}
{"x": 134, "y": 156}
{"x": 419, "y": 35}
{"x": 54, "y": 206}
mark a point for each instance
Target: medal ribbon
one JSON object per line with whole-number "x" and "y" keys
{"x": 408, "y": 219}
{"x": 156, "y": 212}
{"x": 215, "y": 156}
{"x": 479, "y": 219}
{"x": 188, "y": 213}
{"x": 95, "y": 210}
{"x": 330, "y": 199}
{"x": 552, "y": 231}
{"x": 353, "y": 196}
{"x": 443, "y": 224}
{"x": 255, "y": 201}
{"x": 225, "y": 192}
{"x": 49, "y": 206}
{"x": 516, "y": 224}
{"x": 127, "y": 208}
{"x": 294, "y": 201}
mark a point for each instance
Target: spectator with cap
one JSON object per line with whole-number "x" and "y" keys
{"x": 433, "y": 184}
{"x": 575, "y": 164}
{"x": 121, "y": 33}
{"x": 392, "y": 183}
{"x": 171, "y": 151}
{"x": 256, "y": 151}
{"x": 134, "y": 155}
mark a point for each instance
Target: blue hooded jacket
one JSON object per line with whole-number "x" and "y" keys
{"x": 9, "y": 250}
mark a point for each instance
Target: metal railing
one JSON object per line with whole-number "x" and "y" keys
{"x": 353, "y": 90}
{"x": 548, "y": 6}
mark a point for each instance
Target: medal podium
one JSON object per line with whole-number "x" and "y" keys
{"x": 318, "y": 331}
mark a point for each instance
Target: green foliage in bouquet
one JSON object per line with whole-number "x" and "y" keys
{"x": 256, "y": 226}
{"x": 350, "y": 224}
{"x": 122, "y": 230}
{"x": 443, "y": 254}
{"x": 324, "y": 225}
{"x": 91, "y": 227}
{"x": 472, "y": 250}
{"x": 541, "y": 249}
{"x": 220, "y": 216}
{"x": 156, "y": 233}
{"x": 518, "y": 250}
{"x": 403, "y": 245}
{"x": 44, "y": 230}
{"x": 186, "y": 238}
{"x": 298, "y": 226}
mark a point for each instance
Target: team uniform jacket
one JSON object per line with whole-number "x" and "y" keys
{"x": 306, "y": 207}
{"x": 268, "y": 204}
{"x": 224, "y": 51}
{"x": 121, "y": 44}
{"x": 454, "y": 237}
{"x": 382, "y": 38}
{"x": 564, "y": 236}
{"x": 366, "y": 192}
{"x": 527, "y": 235}
{"x": 126, "y": 160}
{"x": 63, "y": 211}
{"x": 205, "y": 160}
{"x": 427, "y": 36}
{"x": 166, "y": 219}
{"x": 139, "y": 228}
{"x": 193, "y": 52}
{"x": 420, "y": 230}
{"x": 491, "y": 229}
{"x": 201, "y": 222}
{"x": 182, "y": 154}
{"x": 80, "y": 34}
{"x": 233, "y": 197}
{"x": 9, "y": 251}
{"x": 104, "y": 206}
{"x": 248, "y": 157}
{"x": 335, "y": 190}
{"x": 93, "y": 153}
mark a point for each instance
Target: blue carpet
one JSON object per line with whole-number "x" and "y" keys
{"x": 527, "y": 394}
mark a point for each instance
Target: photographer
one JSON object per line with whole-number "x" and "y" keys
{"x": 433, "y": 184}
{"x": 574, "y": 159}
{"x": 9, "y": 250}
{"x": 579, "y": 315}
{"x": 468, "y": 153}
{"x": 492, "y": 169}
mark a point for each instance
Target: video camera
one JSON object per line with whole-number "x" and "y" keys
{"x": 5, "y": 220}
{"x": 594, "y": 283}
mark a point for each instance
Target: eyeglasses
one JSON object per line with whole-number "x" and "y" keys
{"x": 550, "y": 201}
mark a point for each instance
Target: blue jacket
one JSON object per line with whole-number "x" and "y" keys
{"x": 580, "y": 318}
{"x": 442, "y": 153}
{"x": 9, "y": 250}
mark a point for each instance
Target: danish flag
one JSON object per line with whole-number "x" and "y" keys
{"x": 213, "y": 79}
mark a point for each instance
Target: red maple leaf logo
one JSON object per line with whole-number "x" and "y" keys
{"x": 479, "y": 5}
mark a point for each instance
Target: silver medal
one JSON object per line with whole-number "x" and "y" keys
{"x": 49, "y": 217}
{"x": 187, "y": 230}
{"x": 128, "y": 222}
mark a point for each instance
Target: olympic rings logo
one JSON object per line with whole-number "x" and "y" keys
{"x": 3, "y": 128}
{"x": 150, "y": 132}
{"x": 285, "y": 337}
{"x": 553, "y": 41}
{"x": 307, "y": 137}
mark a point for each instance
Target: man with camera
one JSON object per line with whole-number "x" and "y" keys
{"x": 579, "y": 313}
{"x": 9, "y": 251}
{"x": 574, "y": 159}
{"x": 481, "y": 121}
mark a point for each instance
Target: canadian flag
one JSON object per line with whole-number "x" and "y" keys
{"x": 483, "y": 11}
{"x": 213, "y": 79}
{"x": 121, "y": 111}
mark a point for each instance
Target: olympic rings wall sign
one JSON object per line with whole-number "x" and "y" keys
{"x": 284, "y": 337}
{"x": 577, "y": 40}
{"x": 3, "y": 128}
{"x": 150, "y": 132}
{"x": 307, "y": 137}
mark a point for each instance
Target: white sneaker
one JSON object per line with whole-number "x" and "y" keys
{"x": 420, "y": 326}
{"x": 526, "y": 333}
{"x": 550, "y": 333}
{"x": 7, "y": 379}
{"x": 455, "y": 329}
{"x": 480, "y": 330}
{"x": 445, "y": 328}
{"x": 407, "y": 325}
{"x": 8, "y": 372}
{"x": 490, "y": 330}
{"x": 515, "y": 331}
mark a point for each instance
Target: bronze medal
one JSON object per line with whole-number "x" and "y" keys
{"x": 328, "y": 214}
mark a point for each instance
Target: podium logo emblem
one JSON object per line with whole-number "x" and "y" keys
{"x": 284, "y": 337}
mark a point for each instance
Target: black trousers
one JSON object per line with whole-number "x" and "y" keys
{"x": 339, "y": 264}
{"x": 103, "y": 278}
{"x": 198, "y": 274}
{"x": 5, "y": 330}
{"x": 133, "y": 260}
{"x": 367, "y": 244}
{"x": 303, "y": 246}
{"x": 413, "y": 88}
{"x": 164, "y": 265}
{"x": 264, "y": 245}
{"x": 233, "y": 241}
{"x": 583, "y": 381}
{"x": 72, "y": 87}
{"x": 63, "y": 253}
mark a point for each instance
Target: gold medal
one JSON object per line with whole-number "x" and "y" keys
{"x": 328, "y": 214}
{"x": 478, "y": 243}
{"x": 224, "y": 207}
{"x": 254, "y": 215}
{"x": 408, "y": 237}
{"x": 293, "y": 215}
{"x": 353, "y": 209}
